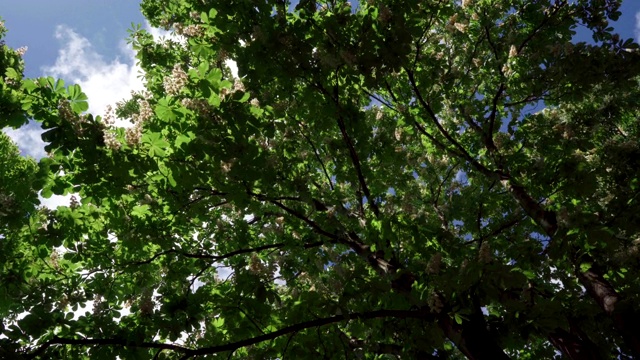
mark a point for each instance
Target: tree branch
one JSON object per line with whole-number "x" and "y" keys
{"x": 404, "y": 314}
{"x": 220, "y": 257}
{"x": 356, "y": 164}
{"x": 350, "y": 146}
{"x": 461, "y": 151}
{"x": 102, "y": 342}
{"x": 315, "y": 151}
{"x": 188, "y": 353}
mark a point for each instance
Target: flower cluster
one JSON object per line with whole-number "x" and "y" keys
{"x": 226, "y": 166}
{"x": 379, "y": 113}
{"x": 434, "y": 264}
{"x": 189, "y": 30}
{"x": 238, "y": 85}
{"x": 110, "y": 140}
{"x": 513, "y": 51}
{"x": 454, "y": 24}
{"x": 256, "y": 266}
{"x": 54, "y": 259}
{"x": 73, "y": 202}
{"x": 22, "y": 50}
{"x": 176, "y": 81}
{"x": 99, "y": 305}
{"x": 146, "y": 303}
{"x": 65, "y": 112}
{"x": 435, "y": 303}
{"x": 133, "y": 134}
{"x": 199, "y": 106}
{"x": 11, "y": 82}
{"x": 507, "y": 70}
{"x": 109, "y": 135}
{"x": 484, "y": 254}
{"x": 145, "y": 112}
{"x": 68, "y": 115}
{"x": 397, "y": 134}
{"x": 195, "y": 15}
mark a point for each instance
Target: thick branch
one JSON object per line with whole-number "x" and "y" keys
{"x": 472, "y": 337}
{"x": 350, "y": 146}
{"x": 220, "y": 257}
{"x": 102, "y": 342}
{"x": 315, "y": 151}
{"x": 573, "y": 347}
{"x": 356, "y": 164}
{"x": 492, "y": 116}
{"x": 403, "y": 314}
{"x": 601, "y": 290}
{"x": 461, "y": 151}
{"x": 380, "y": 264}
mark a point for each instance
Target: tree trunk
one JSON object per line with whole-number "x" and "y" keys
{"x": 472, "y": 338}
{"x": 573, "y": 346}
{"x": 626, "y": 322}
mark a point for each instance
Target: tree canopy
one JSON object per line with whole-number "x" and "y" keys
{"x": 389, "y": 179}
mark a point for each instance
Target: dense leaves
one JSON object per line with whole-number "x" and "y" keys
{"x": 379, "y": 181}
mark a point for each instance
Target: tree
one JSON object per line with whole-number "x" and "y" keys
{"x": 376, "y": 184}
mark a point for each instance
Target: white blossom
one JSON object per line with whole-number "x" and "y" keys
{"x": 110, "y": 140}
{"x": 435, "y": 303}
{"x": 461, "y": 27}
{"x": 238, "y": 85}
{"x": 513, "y": 51}
{"x": 176, "y": 81}
{"x": 22, "y": 50}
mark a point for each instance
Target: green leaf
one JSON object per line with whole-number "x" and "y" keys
{"x": 141, "y": 211}
{"x": 184, "y": 139}
{"x": 157, "y": 145}
{"x": 11, "y": 73}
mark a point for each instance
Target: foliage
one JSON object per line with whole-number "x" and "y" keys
{"x": 376, "y": 184}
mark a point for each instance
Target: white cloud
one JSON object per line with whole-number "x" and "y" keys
{"x": 56, "y": 200}
{"x": 28, "y": 140}
{"x": 233, "y": 66}
{"x": 637, "y": 30}
{"x": 160, "y": 35}
{"x": 104, "y": 82}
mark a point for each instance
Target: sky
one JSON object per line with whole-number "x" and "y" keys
{"x": 84, "y": 42}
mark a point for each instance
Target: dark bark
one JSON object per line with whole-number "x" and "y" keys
{"x": 573, "y": 346}
{"x": 599, "y": 288}
{"x": 189, "y": 353}
{"x": 472, "y": 338}
{"x": 625, "y": 318}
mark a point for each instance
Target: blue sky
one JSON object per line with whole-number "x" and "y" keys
{"x": 33, "y": 23}
{"x": 83, "y": 41}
